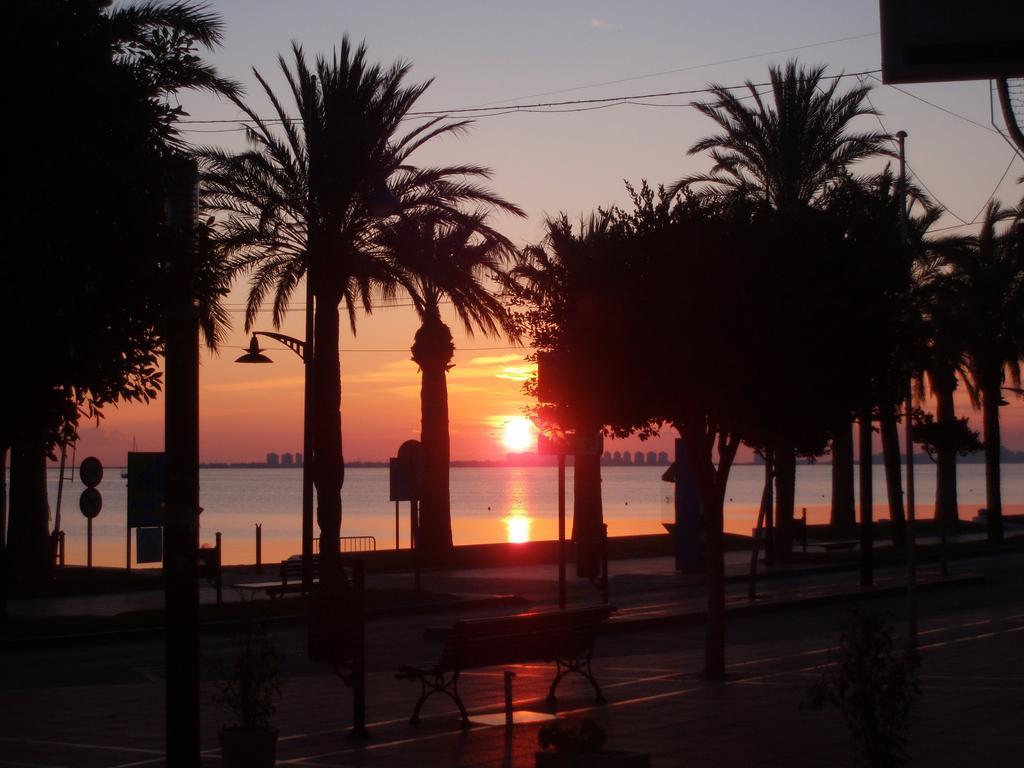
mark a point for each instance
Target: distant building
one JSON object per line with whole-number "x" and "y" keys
{"x": 663, "y": 458}
{"x": 652, "y": 458}
{"x": 273, "y": 459}
{"x": 298, "y": 459}
{"x": 607, "y": 458}
{"x": 638, "y": 457}
{"x": 617, "y": 457}
{"x": 287, "y": 460}
{"x": 627, "y": 458}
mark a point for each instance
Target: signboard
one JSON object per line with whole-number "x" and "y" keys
{"x": 406, "y": 472}
{"x": 149, "y": 545}
{"x": 90, "y": 502}
{"x": 146, "y": 483}
{"x": 939, "y": 40}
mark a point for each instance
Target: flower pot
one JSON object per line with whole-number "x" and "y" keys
{"x": 244, "y": 748}
{"x": 609, "y": 759}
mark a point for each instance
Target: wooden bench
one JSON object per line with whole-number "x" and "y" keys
{"x": 565, "y": 637}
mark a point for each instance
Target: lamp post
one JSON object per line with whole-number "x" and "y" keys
{"x": 304, "y": 349}
{"x": 901, "y": 137}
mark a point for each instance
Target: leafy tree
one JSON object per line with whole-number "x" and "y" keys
{"x": 92, "y": 240}
{"x": 673, "y": 312}
{"x": 785, "y": 153}
{"x": 459, "y": 261}
{"x": 299, "y": 204}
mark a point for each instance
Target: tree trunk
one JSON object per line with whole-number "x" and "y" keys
{"x": 946, "y": 512}
{"x": 328, "y": 462}
{"x": 785, "y": 500}
{"x": 991, "y": 396}
{"x": 432, "y": 351}
{"x": 28, "y": 535}
{"x": 587, "y": 514}
{"x": 711, "y": 485}
{"x": 893, "y": 476}
{"x": 844, "y": 514}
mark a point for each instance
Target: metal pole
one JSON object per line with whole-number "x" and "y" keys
{"x": 88, "y": 544}
{"x": 604, "y": 563}
{"x": 128, "y": 548}
{"x": 509, "y": 674}
{"x": 397, "y": 547}
{"x": 359, "y": 730}
{"x": 308, "y": 355}
{"x": 181, "y": 438}
{"x": 259, "y": 546}
{"x": 901, "y": 136}
{"x": 561, "y": 530}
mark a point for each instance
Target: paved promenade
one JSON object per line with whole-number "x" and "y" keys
{"x": 102, "y": 704}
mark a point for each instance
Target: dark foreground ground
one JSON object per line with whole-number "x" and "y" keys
{"x": 101, "y": 703}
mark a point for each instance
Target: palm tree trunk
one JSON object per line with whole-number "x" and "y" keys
{"x": 893, "y": 476}
{"x": 432, "y": 350}
{"x": 946, "y": 512}
{"x": 991, "y": 397}
{"x": 844, "y": 514}
{"x": 867, "y": 521}
{"x": 28, "y": 540}
{"x": 328, "y": 462}
{"x": 785, "y": 500}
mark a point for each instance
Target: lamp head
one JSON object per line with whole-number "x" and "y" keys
{"x": 254, "y": 355}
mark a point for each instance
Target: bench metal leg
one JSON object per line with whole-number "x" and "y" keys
{"x": 575, "y": 664}
{"x": 431, "y": 684}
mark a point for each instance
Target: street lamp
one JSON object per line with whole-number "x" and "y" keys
{"x": 304, "y": 350}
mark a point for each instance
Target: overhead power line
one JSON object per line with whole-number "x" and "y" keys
{"x": 549, "y": 105}
{"x": 678, "y": 70}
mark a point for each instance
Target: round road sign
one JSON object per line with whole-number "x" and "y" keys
{"x": 90, "y": 502}
{"x": 91, "y": 471}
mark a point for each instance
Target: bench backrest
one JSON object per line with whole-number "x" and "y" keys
{"x": 534, "y": 636}
{"x": 291, "y": 569}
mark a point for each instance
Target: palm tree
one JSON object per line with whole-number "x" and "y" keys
{"x": 299, "y": 204}
{"x": 440, "y": 259}
{"x": 786, "y": 152}
{"x": 990, "y": 271}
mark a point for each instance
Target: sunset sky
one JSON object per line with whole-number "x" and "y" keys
{"x": 564, "y": 160}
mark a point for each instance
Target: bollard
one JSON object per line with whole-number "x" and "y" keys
{"x": 259, "y": 547}
{"x": 218, "y": 582}
{"x": 508, "y": 697}
{"x": 60, "y": 549}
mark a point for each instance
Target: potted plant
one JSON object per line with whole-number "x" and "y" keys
{"x": 248, "y": 691}
{"x": 581, "y": 745}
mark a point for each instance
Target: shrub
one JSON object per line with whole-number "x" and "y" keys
{"x": 874, "y": 684}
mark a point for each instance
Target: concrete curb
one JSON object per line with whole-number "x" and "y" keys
{"x": 213, "y": 627}
{"x": 687, "y": 618}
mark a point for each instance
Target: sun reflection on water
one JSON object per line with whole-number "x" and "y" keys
{"x": 517, "y": 526}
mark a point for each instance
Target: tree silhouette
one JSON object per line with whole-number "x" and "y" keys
{"x": 989, "y": 270}
{"x": 299, "y": 204}
{"x": 90, "y": 176}
{"x": 784, "y": 152}
{"x": 459, "y": 261}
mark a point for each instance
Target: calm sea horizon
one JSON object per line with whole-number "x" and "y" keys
{"x": 489, "y": 504}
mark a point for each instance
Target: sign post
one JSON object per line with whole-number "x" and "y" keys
{"x": 91, "y": 500}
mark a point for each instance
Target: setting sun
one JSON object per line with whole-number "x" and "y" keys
{"x": 519, "y": 434}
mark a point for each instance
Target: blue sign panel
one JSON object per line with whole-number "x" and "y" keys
{"x": 147, "y": 480}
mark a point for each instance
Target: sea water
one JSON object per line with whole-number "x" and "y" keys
{"x": 488, "y": 505}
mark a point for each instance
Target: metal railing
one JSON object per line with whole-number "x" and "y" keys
{"x": 352, "y": 544}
